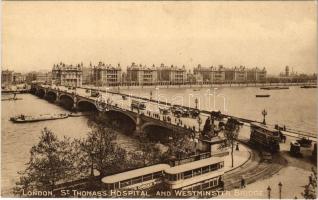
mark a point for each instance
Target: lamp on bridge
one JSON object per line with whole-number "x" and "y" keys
{"x": 196, "y": 103}
{"x": 269, "y": 192}
{"x": 264, "y": 113}
{"x": 280, "y": 185}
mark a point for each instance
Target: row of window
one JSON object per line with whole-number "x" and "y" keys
{"x": 203, "y": 185}
{"x": 195, "y": 172}
{"x": 135, "y": 180}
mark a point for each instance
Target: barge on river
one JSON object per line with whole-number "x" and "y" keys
{"x": 308, "y": 86}
{"x": 274, "y": 88}
{"x": 263, "y": 95}
{"x": 25, "y": 119}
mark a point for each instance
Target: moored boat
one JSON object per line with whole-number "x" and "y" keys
{"x": 79, "y": 114}
{"x": 24, "y": 118}
{"x": 274, "y": 88}
{"x": 308, "y": 86}
{"x": 11, "y": 99}
{"x": 263, "y": 95}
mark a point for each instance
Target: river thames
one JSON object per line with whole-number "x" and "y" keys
{"x": 295, "y": 108}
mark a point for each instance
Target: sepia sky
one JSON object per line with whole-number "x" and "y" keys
{"x": 35, "y": 35}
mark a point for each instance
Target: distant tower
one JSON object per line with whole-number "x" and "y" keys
{"x": 287, "y": 71}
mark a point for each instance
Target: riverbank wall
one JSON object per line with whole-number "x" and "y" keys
{"x": 197, "y": 86}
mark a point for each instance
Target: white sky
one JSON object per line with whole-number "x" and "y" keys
{"x": 35, "y": 35}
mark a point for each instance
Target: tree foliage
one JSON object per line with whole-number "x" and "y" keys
{"x": 101, "y": 149}
{"x": 181, "y": 147}
{"x": 51, "y": 161}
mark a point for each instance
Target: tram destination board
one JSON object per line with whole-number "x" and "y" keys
{"x": 159, "y": 99}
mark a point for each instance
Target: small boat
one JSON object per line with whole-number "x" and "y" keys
{"x": 308, "y": 86}
{"x": 77, "y": 114}
{"x": 263, "y": 95}
{"x": 24, "y": 118}
{"x": 196, "y": 89}
{"x": 274, "y": 88}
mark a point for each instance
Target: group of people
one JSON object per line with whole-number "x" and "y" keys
{"x": 166, "y": 118}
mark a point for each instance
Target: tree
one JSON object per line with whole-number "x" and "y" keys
{"x": 149, "y": 153}
{"x": 181, "y": 146}
{"x": 100, "y": 151}
{"x": 230, "y": 132}
{"x": 50, "y": 162}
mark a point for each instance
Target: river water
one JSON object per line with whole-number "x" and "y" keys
{"x": 296, "y": 108}
{"x": 17, "y": 139}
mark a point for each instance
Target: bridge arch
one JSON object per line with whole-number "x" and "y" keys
{"x": 33, "y": 90}
{"x": 41, "y": 92}
{"x": 84, "y": 105}
{"x": 51, "y": 96}
{"x": 66, "y": 101}
{"x": 157, "y": 132}
{"x": 122, "y": 120}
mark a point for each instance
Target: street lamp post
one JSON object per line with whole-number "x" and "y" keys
{"x": 264, "y": 113}
{"x": 269, "y": 192}
{"x": 92, "y": 165}
{"x": 280, "y": 185}
{"x": 196, "y": 103}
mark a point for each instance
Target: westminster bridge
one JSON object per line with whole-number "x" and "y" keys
{"x": 118, "y": 107}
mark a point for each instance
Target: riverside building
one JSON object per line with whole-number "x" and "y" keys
{"x": 256, "y": 75}
{"x": 172, "y": 75}
{"x": 141, "y": 75}
{"x": 106, "y": 75}
{"x": 220, "y": 74}
{"x": 6, "y": 77}
{"x": 67, "y": 75}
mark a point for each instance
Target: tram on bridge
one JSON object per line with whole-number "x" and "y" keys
{"x": 265, "y": 137}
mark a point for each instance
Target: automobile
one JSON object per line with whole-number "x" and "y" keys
{"x": 94, "y": 93}
{"x": 194, "y": 113}
{"x": 295, "y": 149}
{"x": 138, "y": 105}
{"x": 304, "y": 142}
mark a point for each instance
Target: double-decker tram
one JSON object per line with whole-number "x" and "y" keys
{"x": 196, "y": 176}
{"x": 137, "y": 179}
{"x": 264, "y": 136}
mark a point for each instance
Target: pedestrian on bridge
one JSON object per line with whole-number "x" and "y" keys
{"x": 243, "y": 184}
